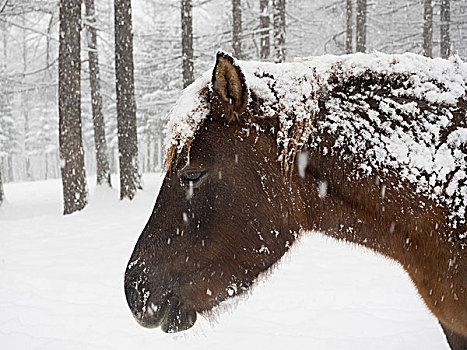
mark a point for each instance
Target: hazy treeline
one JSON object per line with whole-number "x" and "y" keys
{"x": 29, "y": 41}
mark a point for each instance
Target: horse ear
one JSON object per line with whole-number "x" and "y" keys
{"x": 230, "y": 90}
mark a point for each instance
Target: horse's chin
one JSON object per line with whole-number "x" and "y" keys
{"x": 175, "y": 320}
{"x": 172, "y": 316}
{"x": 178, "y": 319}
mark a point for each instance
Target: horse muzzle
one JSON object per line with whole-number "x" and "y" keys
{"x": 167, "y": 311}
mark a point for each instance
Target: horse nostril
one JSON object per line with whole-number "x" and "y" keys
{"x": 132, "y": 296}
{"x": 174, "y": 300}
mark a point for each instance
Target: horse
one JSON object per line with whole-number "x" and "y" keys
{"x": 365, "y": 148}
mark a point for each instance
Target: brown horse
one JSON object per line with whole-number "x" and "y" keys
{"x": 370, "y": 149}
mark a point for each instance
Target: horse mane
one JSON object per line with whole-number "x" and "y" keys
{"x": 423, "y": 99}
{"x": 412, "y": 123}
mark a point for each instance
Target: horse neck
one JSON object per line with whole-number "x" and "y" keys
{"x": 396, "y": 223}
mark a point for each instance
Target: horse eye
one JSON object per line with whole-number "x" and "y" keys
{"x": 191, "y": 176}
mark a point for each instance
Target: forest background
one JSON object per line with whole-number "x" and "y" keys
{"x": 164, "y": 63}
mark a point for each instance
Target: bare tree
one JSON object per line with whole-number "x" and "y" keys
{"x": 2, "y": 194}
{"x": 361, "y": 25}
{"x": 264, "y": 28}
{"x": 349, "y": 27}
{"x": 25, "y": 105}
{"x": 126, "y": 104}
{"x": 69, "y": 98}
{"x": 428, "y": 29}
{"x": 445, "y": 23}
{"x": 3, "y": 6}
{"x": 187, "y": 42}
{"x": 5, "y": 111}
{"x": 279, "y": 30}
{"x": 103, "y": 169}
{"x": 237, "y": 28}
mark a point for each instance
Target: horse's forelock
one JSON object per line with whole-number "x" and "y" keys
{"x": 177, "y": 141}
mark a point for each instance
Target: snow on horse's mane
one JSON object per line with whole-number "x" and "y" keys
{"x": 414, "y": 148}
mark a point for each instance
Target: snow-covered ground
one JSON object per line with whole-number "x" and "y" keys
{"x": 61, "y": 286}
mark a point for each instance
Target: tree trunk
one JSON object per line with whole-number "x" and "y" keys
{"x": 2, "y": 194}
{"x": 279, "y": 30}
{"x": 3, "y": 65}
{"x": 48, "y": 40}
{"x": 361, "y": 25}
{"x": 126, "y": 104}
{"x": 264, "y": 29}
{"x": 160, "y": 153}
{"x": 428, "y": 29}
{"x": 187, "y": 42}
{"x": 103, "y": 170}
{"x": 69, "y": 95}
{"x": 10, "y": 175}
{"x": 148, "y": 152}
{"x": 237, "y": 28}
{"x": 113, "y": 169}
{"x": 445, "y": 22}
{"x": 46, "y": 171}
{"x": 349, "y": 27}
{"x": 25, "y": 108}
{"x": 4, "y": 29}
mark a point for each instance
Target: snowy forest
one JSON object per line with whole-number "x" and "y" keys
{"x": 173, "y": 42}
{"x": 88, "y": 111}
